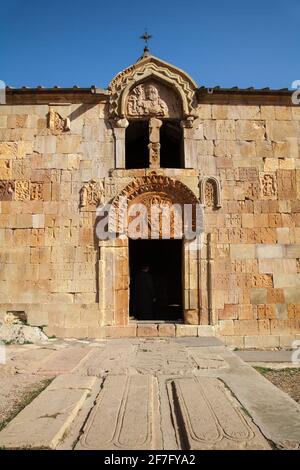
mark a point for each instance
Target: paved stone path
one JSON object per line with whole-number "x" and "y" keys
{"x": 183, "y": 393}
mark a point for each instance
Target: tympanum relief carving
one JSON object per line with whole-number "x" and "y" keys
{"x": 152, "y": 99}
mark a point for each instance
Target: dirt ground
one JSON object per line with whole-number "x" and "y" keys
{"x": 16, "y": 392}
{"x": 287, "y": 380}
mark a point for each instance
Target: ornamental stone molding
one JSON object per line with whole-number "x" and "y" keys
{"x": 136, "y": 90}
{"x": 150, "y": 190}
{"x": 210, "y": 192}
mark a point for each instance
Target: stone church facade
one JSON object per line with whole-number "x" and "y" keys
{"x": 152, "y": 136}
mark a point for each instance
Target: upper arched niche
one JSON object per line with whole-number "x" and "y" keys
{"x": 152, "y": 87}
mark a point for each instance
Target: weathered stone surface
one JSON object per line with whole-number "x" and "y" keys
{"x": 120, "y": 407}
{"x": 59, "y": 160}
{"x": 42, "y": 424}
{"x": 211, "y": 420}
{"x": 21, "y": 334}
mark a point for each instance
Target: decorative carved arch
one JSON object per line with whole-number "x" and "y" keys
{"x": 144, "y": 69}
{"x": 146, "y": 189}
{"x": 210, "y": 192}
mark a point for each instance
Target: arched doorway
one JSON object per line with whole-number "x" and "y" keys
{"x": 166, "y": 247}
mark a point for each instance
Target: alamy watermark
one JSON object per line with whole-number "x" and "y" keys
{"x": 296, "y": 353}
{"x": 296, "y": 93}
{"x": 159, "y": 220}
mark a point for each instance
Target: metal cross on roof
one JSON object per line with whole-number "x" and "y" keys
{"x": 146, "y": 37}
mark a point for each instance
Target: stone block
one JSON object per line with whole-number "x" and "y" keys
{"x": 147, "y": 331}
{"x": 206, "y": 330}
{"x": 128, "y": 331}
{"x": 68, "y": 144}
{"x": 186, "y": 330}
{"x": 45, "y": 144}
{"x": 281, "y": 130}
{"x": 286, "y": 341}
{"x": 225, "y": 328}
{"x": 258, "y": 296}
{"x": 261, "y": 342}
{"x": 280, "y": 327}
{"x": 266, "y": 251}
{"x": 245, "y": 327}
{"x": 250, "y": 130}
{"x": 286, "y": 280}
{"x": 225, "y": 129}
{"x": 96, "y": 332}
{"x": 167, "y": 330}
{"x": 235, "y": 342}
{"x": 38, "y": 221}
{"x": 292, "y": 295}
{"x": 242, "y": 251}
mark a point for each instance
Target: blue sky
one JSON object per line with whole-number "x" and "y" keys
{"x": 226, "y": 43}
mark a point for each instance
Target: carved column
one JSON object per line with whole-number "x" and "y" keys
{"x": 190, "y": 154}
{"x": 119, "y": 129}
{"x": 154, "y": 142}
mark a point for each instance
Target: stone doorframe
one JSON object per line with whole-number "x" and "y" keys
{"x": 113, "y": 280}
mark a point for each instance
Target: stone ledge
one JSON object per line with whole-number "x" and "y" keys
{"x": 260, "y": 342}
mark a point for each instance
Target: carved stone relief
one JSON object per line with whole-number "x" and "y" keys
{"x": 268, "y": 186}
{"x": 210, "y": 192}
{"x": 169, "y": 80}
{"x": 145, "y": 100}
{"x": 92, "y": 194}
{"x": 154, "y": 190}
{"x": 56, "y": 123}
{"x": 28, "y": 191}
{"x": 6, "y": 190}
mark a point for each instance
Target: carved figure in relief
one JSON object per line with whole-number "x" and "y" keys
{"x": 56, "y": 123}
{"x": 268, "y": 185}
{"x": 144, "y": 100}
{"x": 6, "y": 190}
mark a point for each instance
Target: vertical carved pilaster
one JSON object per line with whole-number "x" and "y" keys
{"x": 190, "y": 154}
{"x": 119, "y": 130}
{"x": 154, "y": 142}
{"x": 211, "y": 318}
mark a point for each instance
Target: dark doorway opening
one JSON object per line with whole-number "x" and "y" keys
{"x": 136, "y": 148}
{"x": 171, "y": 140}
{"x": 164, "y": 258}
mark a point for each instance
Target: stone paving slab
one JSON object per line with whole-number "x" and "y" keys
{"x": 154, "y": 394}
{"x": 265, "y": 356}
{"x": 207, "y": 417}
{"x": 63, "y": 361}
{"x": 128, "y": 405}
{"x": 44, "y": 421}
{"x": 275, "y": 413}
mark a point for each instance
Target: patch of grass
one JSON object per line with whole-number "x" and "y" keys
{"x": 262, "y": 370}
{"x": 26, "y": 399}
